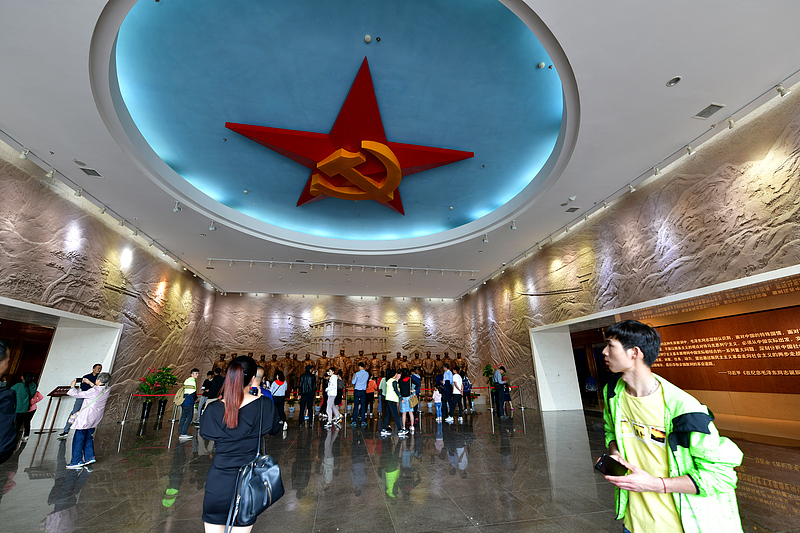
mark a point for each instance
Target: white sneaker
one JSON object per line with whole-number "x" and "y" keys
{"x": 448, "y": 419}
{"x": 402, "y": 433}
{"x": 385, "y": 433}
{"x": 460, "y": 419}
{"x": 412, "y": 429}
{"x": 185, "y": 437}
{"x": 285, "y": 426}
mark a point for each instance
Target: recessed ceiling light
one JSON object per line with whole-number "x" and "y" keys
{"x": 674, "y": 81}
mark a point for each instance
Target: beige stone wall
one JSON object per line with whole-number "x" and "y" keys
{"x": 729, "y": 211}
{"x": 57, "y": 251}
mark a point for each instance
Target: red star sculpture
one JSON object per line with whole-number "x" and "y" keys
{"x": 354, "y": 161}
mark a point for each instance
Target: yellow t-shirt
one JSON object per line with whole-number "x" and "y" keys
{"x": 645, "y": 445}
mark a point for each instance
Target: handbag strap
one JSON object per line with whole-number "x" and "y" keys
{"x": 93, "y": 400}
{"x": 229, "y": 521}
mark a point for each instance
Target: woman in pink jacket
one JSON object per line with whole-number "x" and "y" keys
{"x": 90, "y": 415}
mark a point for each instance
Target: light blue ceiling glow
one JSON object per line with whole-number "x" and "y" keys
{"x": 451, "y": 74}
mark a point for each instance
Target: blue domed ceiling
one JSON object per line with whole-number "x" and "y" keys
{"x": 455, "y": 75}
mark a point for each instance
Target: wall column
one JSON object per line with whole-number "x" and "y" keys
{"x": 554, "y": 365}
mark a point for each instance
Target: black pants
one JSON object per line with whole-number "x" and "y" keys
{"x": 391, "y": 409}
{"x": 23, "y": 420}
{"x": 499, "y": 398}
{"x": 455, "y": 400}
{"x": 448, "y": 398}
{"x": 370, "y": 401}
{"x": 307, "y": 405}
{"x": 279, "y": 401}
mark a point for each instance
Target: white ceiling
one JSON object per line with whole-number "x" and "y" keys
{"x": 621, "y": 53}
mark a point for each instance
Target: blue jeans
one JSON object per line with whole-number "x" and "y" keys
{"x": 360, "y": 405}
{"x": 187, "y": 413}
{"x": 438, "y": 409}
{"x": 82, "y": 446}
{"x": 75, "y": 408}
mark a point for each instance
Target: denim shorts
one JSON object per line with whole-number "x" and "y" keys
{"x": 405, "y": 404}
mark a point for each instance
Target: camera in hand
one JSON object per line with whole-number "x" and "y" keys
{"x": 78, "y": 382}
{"x": 609, "y": 466}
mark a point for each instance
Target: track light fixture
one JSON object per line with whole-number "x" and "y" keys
{"x": 780, "y": 88}
{"x": 51, "y": 173}
{"x": 485, "y": 238}
{"x": 24, "y": 154}
{"x": 79, "y": 192}
{"x": 730, "y": 122}
{"x": 230, "y": 263}
{"x": 122, "y": 222}
{"x": 605, "y": 205}
{"x": 656, "y": 171}
{"x": 212, "y": 227}
{"x": 631, "y": 188}
{"x": 290, "y": 266}
{"x": 135, "y": 232}
{"x": 177, "y": 208}
{"x": 270, "y": 264}
{"x": 103, "y": 210}
{"x": 153, "y": 242}
{"x": 540, "y": 246}
{"x": 689, "y": 149}
{"x": 513, "y": 225}
{"x": 251, "y": 264}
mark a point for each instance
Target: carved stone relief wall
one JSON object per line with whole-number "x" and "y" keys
{"x": 728, "y": 211}
{"x": 58, "y": 253}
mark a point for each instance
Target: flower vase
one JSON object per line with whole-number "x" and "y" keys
{"x": 146, "y": 409}
{"x": 162, "y": 406}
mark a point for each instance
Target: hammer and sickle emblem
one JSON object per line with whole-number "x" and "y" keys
{"x": 361, "y": 187}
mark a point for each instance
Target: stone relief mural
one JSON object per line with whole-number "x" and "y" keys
{"x": 56, "y": 254}
{"x": 729, "y": 211}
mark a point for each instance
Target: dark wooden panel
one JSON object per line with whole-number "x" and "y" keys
{"x": 757, "y": 352}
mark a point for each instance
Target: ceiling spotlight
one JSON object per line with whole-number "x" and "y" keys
{"x": 164, "y": 252}
{"x": 631, "y": 188}
{"x": 51, "y": 173}
{"x": 24, "y": 154}
{"x": 270, "y": 264}
{"x": 459, "y": 272}
{"x": 351, "y": 268}
{"x": 326, "y": 267}
{"x": 177, "y": 208}
{"x": 566, "y": 229}
{"x": 656, "y": 171}
{"x": 689, "y": 149}
{"x": 585, "y": 217}
{"x": 79, "y": 192}
{"x": 540, "y": 246}
{"x": 122, "y": 222}
{"x": 426, "y": 271}
{"x": 513, "y": 224}
{"x": 730, "y": 122}
{"x": 605, "y": 205}
{"x": 151, "y": 243}
{"x": 338, "y": 267}
{"x": 251, "y": 264}
{"x": 485, "y": 238}
{"x": 311, "y": 267}
{"x": 290, "y": 266}
{"x": 103, "y": 210}
{"x": 230, "y": 263}
{"x": 209, "y": 262}
{"x": 135, "y": 232}
{"x": 780, "y": 88}
{"x": 551, "y": 239}
{"x": 374, "y": 269}
{"x": 212, "y": 227}
{"x": 442, "y": 272}
{"x": 674, "y": 81}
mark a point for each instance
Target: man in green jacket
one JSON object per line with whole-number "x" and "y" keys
{"x": 681, "y": 471}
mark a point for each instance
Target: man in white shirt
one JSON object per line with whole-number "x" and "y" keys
{"x": 458, "y": 392}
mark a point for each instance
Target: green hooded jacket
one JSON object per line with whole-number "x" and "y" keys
{"x": 695, "y": 449}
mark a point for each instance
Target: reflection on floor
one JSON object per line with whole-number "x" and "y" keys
{"x": 529, "y": 473}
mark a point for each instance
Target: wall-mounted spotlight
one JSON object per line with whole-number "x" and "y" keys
{"x": 135, "y": 232}
{"x": 122, "y": 222}
{"x": 79, "y": 192}
{"x": 51, "y": 173}
{"x": 513, "y": 225}
{"x": 780, "y": 88}
{"x": 631, "y": 188}
{"x": 24, "y": 154}
{"x": 230, "y": 263}
{"x": 152, "y": 243}
{"x": 485, "y": 238}
{"x": 689, "y": 149}
{"x": 540, "y": 246}
{"x": 730, "y": 122}
{"x": 290, "y": 266}
{"x": 605, "y": 205}
{"x": 177, "y": 208}
{"x": 212, "y": 227}
{"x": 103, "y": 210}
{"x": 656, "y": 171}
{"x": 251, "y": 264}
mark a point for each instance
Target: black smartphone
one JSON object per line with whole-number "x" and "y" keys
{"x": 78, "y": 382}
{"x": 254, "y": 391}
{"x": 609, "y": 466}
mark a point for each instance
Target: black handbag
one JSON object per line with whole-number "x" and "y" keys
{"x": 258, "y": 486}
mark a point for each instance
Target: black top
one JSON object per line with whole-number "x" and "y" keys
{"x": 216, "y": 386}
{"x": 405, "y": 387}
{"x": 8, "y": 431}
{"x": 237, "y": 446}
{"x": 206, "y": 387}
{"x": 91, "y": 377}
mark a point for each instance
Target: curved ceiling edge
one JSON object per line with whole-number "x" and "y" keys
{"x": 125, "y": 133}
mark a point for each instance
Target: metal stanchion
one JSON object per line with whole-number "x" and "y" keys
{"x": 122, "y": 424}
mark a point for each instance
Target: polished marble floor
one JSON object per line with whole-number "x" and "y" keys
{"x": 530, "y": 473}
